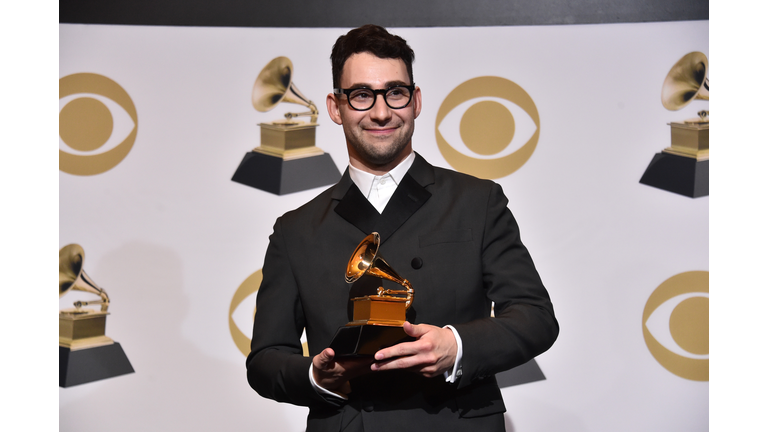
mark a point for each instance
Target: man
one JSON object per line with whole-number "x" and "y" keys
{"x": 451, "y": 235}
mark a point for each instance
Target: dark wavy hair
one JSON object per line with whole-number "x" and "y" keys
{"x": 372, "y": 39}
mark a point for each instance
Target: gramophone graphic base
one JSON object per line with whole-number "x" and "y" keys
{"x": 92, "y": 364}
{"x": 678, "y": 174}
{"x": 523, "y": 374}
{"x": 280, "y": 177}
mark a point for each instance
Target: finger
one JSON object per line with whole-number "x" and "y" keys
{"x": 324, "y": 359}
{"x": 415, "y": 330}
{"x": 414, "y": 362}
{"x": 399, "y": 350}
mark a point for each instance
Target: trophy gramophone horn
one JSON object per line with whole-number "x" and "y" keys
{"x": 274, "y": 85}
{"x": 72, "y": 277}
{"x": 687, "y": 81}
{"x": 366, "y": 260}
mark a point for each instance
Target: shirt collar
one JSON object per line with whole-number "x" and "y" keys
{"x": 365, "y": 180}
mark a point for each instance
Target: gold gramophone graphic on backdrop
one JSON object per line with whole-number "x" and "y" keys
{"x": 287, "y": 160}
{"x": 377, "y": 320}
{"x": 85, "y": 353}
{"x": 683, "y": 167}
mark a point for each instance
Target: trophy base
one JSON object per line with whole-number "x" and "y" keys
{"x": 92, "y": 364}
{"x": 678, "y": 174}
{"x": 276, "y": 175}
{"x": 82, "y": 328}
{"x": 365, "y": 340}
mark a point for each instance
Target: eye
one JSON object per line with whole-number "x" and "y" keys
{"x": 243, "y": 314}
{"x": 360, "y": 94}
{"x": 242, "y": 309}
{"x": 98, "y": 124}
{"x": 487, "y": 127}
{"x": 681, "y": 325}
{"x": 91, "y": 124}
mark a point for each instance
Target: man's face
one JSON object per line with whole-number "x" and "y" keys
{"x": 379, "y": 138}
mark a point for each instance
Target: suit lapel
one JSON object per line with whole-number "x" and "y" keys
{"x": 409, "y": 196}
{"x": 354, "y": 206}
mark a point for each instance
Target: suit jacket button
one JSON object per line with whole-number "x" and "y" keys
{"x": 416, "y": 263}
{"x": 367, "y": 405}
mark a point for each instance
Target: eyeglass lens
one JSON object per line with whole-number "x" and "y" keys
{"x": 395, "y": 97}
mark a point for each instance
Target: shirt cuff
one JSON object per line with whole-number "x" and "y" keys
{"x": 321, "y": 391}
{"x": 456, "y": 372}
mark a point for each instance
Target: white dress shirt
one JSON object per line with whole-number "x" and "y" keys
{"x": 378, "y": 190}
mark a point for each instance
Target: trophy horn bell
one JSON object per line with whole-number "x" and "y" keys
{"x": 275, "y": 85}
{"x": 72, "y": 276}
{"x": 688, "y": 80}
{"x": 366, "y": 260}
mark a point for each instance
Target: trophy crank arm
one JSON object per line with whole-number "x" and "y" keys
{"x": 408, "y": 293}
{"x": 312, "y": 114}
{"x": 104, "y": 304}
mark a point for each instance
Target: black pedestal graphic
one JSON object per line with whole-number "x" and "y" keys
{"x": 678, "y": 174}
{"x": 275, "y": 175}
{"x": 92, "y": 364}
{"x": 523, "y": 374}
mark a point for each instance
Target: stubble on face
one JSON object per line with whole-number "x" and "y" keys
{"x": 379, "y": 149}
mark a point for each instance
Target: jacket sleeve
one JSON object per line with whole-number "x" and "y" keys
{"x": 524, "y": 324}
{"x": 276, "y": 366}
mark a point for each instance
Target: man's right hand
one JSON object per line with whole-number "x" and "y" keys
{"x": 334, "y": 374}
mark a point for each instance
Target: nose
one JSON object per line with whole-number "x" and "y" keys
{"x": 380, "y": 112}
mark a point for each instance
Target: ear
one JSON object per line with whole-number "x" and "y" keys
{"x": 333, "y": 108}
{"x": 416, "y": 102}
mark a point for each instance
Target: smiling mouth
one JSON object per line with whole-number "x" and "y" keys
{"x": 380, "y": 131}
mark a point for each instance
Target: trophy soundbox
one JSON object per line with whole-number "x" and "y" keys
{"x": 86, "y": 354}
{"x": 287, "y": 160}
{"x": 683, "y": 168}
{"x": 377, "y": 320}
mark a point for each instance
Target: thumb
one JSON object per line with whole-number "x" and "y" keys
{"x": 323, "y": 359}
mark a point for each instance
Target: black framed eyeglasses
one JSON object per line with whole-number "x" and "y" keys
{"x": 363, "y": 99}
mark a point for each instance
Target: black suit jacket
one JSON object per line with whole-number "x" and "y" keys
{"x": 468, "y": 244}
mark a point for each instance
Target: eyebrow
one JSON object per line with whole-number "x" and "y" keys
{"x": 387, "y": 85}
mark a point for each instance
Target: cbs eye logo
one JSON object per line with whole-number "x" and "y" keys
{"x": 487, "y": 127}
{"x": 676, "y": 325}
{"x": 97, "y": 124}
{"x": 241, "y": 312}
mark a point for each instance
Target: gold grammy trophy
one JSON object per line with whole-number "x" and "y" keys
{"x": 287, "y": 160}
{"x": 377, "y": 320}
{"x": 683, "y": 167}
{"x": 85, "y": 353}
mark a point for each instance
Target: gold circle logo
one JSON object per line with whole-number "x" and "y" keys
{"x": 676, "y": 325}
{"x": 488, "y": 127}
{"x": 249, "y": 286}
{"x": 87, "y": 124}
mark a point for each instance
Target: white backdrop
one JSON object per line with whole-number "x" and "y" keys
{"x": 171, "y": 237}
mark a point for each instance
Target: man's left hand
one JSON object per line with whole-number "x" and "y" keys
{"x": 431, "y": 354}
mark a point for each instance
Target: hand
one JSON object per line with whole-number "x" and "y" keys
{"x": 334, "y": 374}
{"x": 432, "y": 354}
